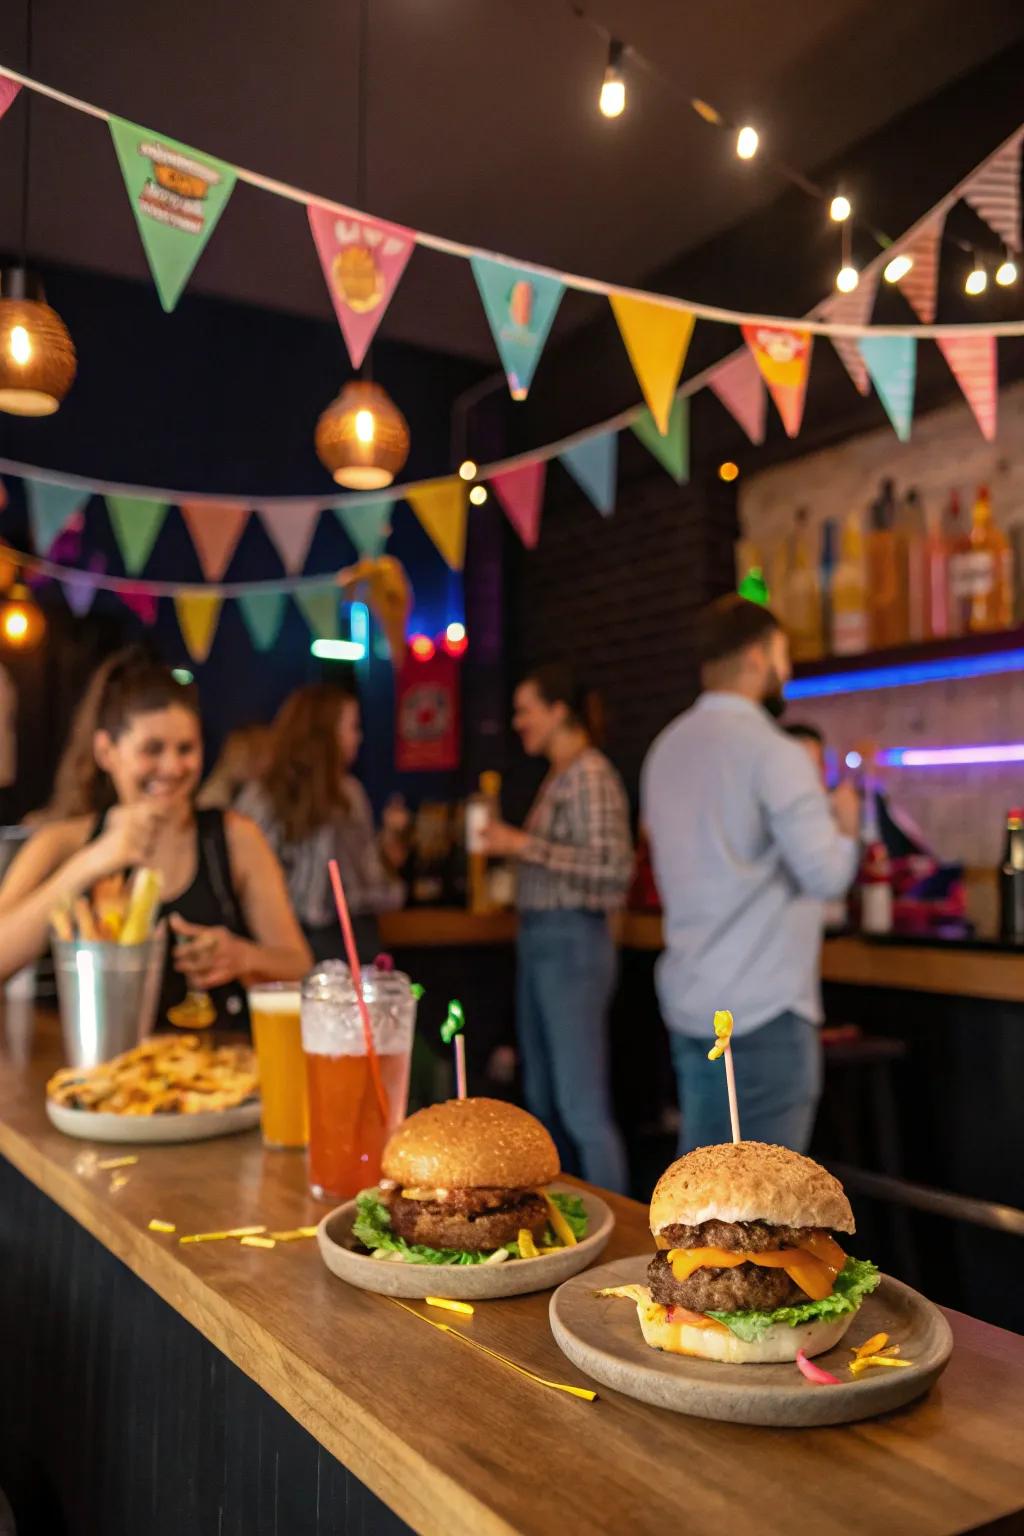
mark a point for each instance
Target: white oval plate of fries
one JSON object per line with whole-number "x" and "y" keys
{"x": 136, "y": 1130}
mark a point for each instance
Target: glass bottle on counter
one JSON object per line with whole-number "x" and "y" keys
{"x": 803, "y": 595}
{"x": 1011, "y": 880}
{"x": 887, "y": 574}
{"x": 482, "y": 808}
{"x": 874, "y": 879}
{"x": 936, "y": 572}
{"x": 955, "y": 530}
{"x": 913, "y": 533}
{"x": 430, "y": 848}
{"x": 981, "y": 572}
{"x": 849, "y": 605}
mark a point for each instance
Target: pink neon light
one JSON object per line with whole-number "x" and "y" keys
{"x": 938, "y": 757}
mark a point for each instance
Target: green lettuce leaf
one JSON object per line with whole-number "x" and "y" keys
{"x": 372, "y": 1228}
{"x": 856, "y": 1280}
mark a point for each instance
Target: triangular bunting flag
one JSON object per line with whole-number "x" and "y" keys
{"x": 291, "y": 530}
{"x": 50, "y": 509}
{"x": 592, "y": 465}
{"x": 672, "y": 450}
{"x": 80, "y": 595}
{"x": 738, "y": 384}
{"x": 177, "y": 195}
{"x": 8, "y": 91}
{"x": 198, "y": 613}
{"x": 262, "y": 613}
{"x": 319, "y": 608}
{"x": 136, "y": 522}
{"x": 921, "y": 283}
{"x": 521, "y": 493}
{"x": 892, "y": 363}
{"x": 368, "y": 525}
{"x": 973, "y": 362}
{"x": 853, "y": 309}
{"x": 783, "y": 354}
{"x": 657, "y": 337}
{"x": 216, "y": 527}
{"x": 363, "y": 260}
{"x": 994, "y": 194}
{"x": 142, "y": 604}
{"x": 440, "y": 506}
{"x": 520, "y": 305}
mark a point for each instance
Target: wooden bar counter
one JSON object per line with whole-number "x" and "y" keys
{"x": 451, "y": 1442}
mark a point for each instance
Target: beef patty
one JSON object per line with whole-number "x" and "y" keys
{"x": 736, "y": 1236}
{"x": 469, "y": 1220}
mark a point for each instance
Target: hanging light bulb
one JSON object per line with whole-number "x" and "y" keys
{"x": 478, "y": 495}
{"x": 976, "y": 280}
{"x": 612, "y": 100}
{"x": 898, "y": 267}
{"x": 840, "y": 208}
{"x": 847, "y": 278}
{"x": 467, "y": 470}
{"x": 37, "y": 356}
{"x": 1006, "y": 272}
{"x": 747, "y": 141}
{"x": 362, "y": 438}
{"x": 22, "y": 624}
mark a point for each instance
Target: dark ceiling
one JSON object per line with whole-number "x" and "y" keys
{"x": 483, "y": 126}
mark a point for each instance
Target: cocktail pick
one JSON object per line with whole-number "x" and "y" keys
{"x": 451, "y": 1030}
{"x": 723, "y": 1047}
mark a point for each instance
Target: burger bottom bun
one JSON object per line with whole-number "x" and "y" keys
{"x": 779, "y": 1343}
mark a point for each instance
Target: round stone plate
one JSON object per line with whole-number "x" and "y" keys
{"x": 153, "y": 1130}
{"x": 601, "y": 1335}
{"x": 461, "y": 1282}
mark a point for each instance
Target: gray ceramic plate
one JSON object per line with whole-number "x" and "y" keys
{"x": 601, "y": 1335}
{"x": 153, "y": 1130}
{"x": 461, "y": 1282}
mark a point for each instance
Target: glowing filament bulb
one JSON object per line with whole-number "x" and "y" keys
{"x": 747, "y": 141}
{"x": 898, "y": 267}
{"x": 840, "y": 208}
{"x": 1006, "y": 272}
{"x": 976, "y": 281}
{"x": 847, "y": 279}
{"x": 364, "y": 426}
{"x": 21, "y": 346}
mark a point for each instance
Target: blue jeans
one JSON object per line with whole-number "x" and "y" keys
{"x": 565, "y": 976}
{"x": 778, "y": 1085}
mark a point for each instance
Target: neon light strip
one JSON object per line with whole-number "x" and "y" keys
{"x": 943, "y": 757}
{"x": 338, "y": 650}
{"x": 906, "y": 675}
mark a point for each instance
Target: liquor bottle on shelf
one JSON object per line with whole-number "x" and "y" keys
{"x": 430, "y": 851}
{"x": 777, "y": 576}
{"x": 1017, "y": 541}
{"x": 936, "y": 573}
{"x": 1011, "y": 880}
{"x": 912, "y": 531}
{"x": 849, "y": 605}
{"x": 981, "y": 573}
{"x": 874, "y": 879}
{"x": 482, "y": 808}
{"x": 887, "y": 574}
{"x": 829, "y": 555}
{"x": 803, "y": 596}
{"x": 955, "y": 531}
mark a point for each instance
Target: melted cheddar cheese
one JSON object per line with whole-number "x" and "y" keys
{"x": 813, "y": 1268}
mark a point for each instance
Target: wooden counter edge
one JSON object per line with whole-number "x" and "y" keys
{"x": 375, "y": 1454}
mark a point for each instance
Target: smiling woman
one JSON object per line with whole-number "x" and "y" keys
{"x": 125, "y": 797}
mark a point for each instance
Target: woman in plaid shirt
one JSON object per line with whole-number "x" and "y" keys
{"x": 575, "y": 858}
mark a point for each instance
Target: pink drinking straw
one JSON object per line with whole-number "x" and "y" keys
{"x": 357, "y": 982}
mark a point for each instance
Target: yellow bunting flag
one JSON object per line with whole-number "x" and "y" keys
{"x": 657, "y": 338}
{"x": 440, "y": 506}
{"x": 198, "y": 613}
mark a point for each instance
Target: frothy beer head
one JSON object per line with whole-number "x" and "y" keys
{"x": 275, "y": 999}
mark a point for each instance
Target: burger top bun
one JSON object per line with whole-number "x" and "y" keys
{"x": 749, "y": 1181}
{"x": 471, "y": 1144}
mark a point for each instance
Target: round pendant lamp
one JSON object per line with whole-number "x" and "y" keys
{"x": 362, "y": 438}
{"x": 37, "y": 355}
{"x": 22, "y": 622}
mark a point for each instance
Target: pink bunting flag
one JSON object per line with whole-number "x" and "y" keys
{"x": 738, "y": 384}
{"x": 783, "y": 354}
{"x": 994, "y": 193}
{"x": 291, "y": 530}
{"x": 8, "y": 91}
{"x": 853, "y": 309}
{"x": 215, "y": 527}
{"x": 973, "y": 363}
{"x": 362, "y": 260}
{"x": 521, "y": 493}
{"x": 142, "y": 604}
{"x": 921, "y": 283}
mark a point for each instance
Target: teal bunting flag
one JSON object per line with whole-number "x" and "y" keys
{"x": 892, "y": 364}
{"x": 368, "y": 525}
{"x": 592, "y": 465}
{"x": 319, "y": 608}
{"x": 520, "y": 305}
{"x": 262, "y": 614}
{"x": 50, "y": 509}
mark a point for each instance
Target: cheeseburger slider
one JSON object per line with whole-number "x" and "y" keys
{"x": 749, "y": 1264}
{"x": 463, "y": 1183}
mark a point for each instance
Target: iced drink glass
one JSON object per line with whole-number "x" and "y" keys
{"x": 274, "y": 1009}
{"x": 346, "y": 1130}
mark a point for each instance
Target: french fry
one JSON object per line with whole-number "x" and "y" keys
{"x": 142, "y": 906}
{"x": 60, "y": 922}
{"x": 87, "y": 929}
{"x": 109, "y": 899}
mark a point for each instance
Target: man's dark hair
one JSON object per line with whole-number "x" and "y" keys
{"x": 729, "y": 625}
{"x": 800, "y": 730}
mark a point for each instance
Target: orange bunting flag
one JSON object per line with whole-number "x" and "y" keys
{"x": 198, "y": 613}
{"x": 215, "y": 527}
{"x": 440, "y": 506}
{"x": 657, "y": 337}
{"x": 783, "y": 355}
{"x": 972, "y": 360}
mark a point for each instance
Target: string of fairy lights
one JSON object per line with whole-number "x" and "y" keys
{"x": 625, "y": 61}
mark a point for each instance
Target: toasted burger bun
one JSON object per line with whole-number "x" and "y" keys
{"x": 471, "y": 1144}
{"x": 778, "y": 1343}
{"x": 749, "y": 1181}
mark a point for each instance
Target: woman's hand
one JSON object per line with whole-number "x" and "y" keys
{"x": 209, "y": 957}
{"x": 128, "y": 839}
{"x": 502, "y": 841}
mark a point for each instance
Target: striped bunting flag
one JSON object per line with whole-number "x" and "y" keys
{"x": 994, "y": 193}
{"x": 973, "y": 362}
{"x": 853, "y": 309}
{"x": 921, "y": 283}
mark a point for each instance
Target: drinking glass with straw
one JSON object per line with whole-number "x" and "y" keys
{"x": 723, "y": 1047}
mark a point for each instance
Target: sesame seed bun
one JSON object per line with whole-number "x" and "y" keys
{"x": 780, "y": 1342}
{"x": 749, "y": 1181}
{"x": 471, "y": 1144}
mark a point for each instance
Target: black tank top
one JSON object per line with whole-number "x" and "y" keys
{"x": 210, "y": 901}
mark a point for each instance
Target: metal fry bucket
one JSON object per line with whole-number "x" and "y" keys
{"x": 109, "y": 994}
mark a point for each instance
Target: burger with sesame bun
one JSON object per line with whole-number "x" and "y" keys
{"x": 464, "y": 1183}
{"x": 750, "y": 1264}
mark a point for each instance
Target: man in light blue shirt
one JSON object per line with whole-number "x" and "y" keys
{"x": 745, "y": 851}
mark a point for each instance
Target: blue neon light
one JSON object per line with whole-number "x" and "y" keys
{"x": 905, "y": 675}
{"x": 359, "y": 625}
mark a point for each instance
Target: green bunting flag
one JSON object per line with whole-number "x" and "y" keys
{"x": 673, "y": 450}
{"x": 177, "y": 195}
{"x": 368, "y": 525}
{"x": 136, "y": 523}
{"x": 319, "y": 607}
{"x": 262, "y": 613}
